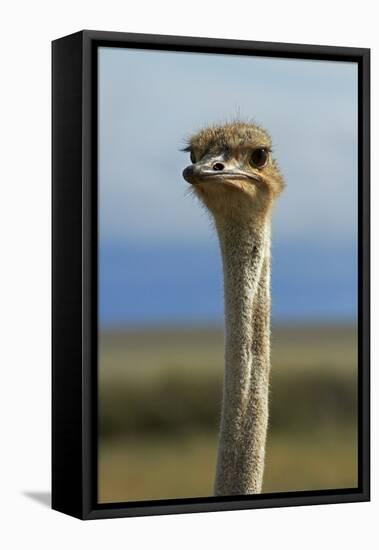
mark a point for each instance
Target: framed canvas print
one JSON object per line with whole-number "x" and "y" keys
{"x": 210, "y": 274}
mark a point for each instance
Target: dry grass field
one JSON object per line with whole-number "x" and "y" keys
{"x": 159, "y": 406}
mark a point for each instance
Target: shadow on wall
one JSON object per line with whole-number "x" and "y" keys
{"x": 42, "y": 497}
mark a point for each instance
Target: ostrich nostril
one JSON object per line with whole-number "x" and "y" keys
{"x": 218, "y": 166}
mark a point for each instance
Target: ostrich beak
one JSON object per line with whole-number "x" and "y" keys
{"x": 194, "y": 173}
{"x": 219, "y": 171}
{"x": 189, "y": 173}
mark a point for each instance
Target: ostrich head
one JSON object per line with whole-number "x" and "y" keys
{"x": 232, "y": 171}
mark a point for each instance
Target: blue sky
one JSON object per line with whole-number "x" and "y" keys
{"x": 159, "y": 260}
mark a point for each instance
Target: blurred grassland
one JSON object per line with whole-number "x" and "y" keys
{"x": 159, "y": 404}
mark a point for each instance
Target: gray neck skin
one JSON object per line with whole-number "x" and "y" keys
{"x": 246, "y": 265}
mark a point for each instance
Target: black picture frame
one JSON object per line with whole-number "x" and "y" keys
{"x": 74, "y": 273}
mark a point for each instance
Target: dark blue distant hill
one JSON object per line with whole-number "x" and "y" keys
{"x": 147, "y": 284}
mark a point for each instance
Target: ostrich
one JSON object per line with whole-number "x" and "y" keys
{"x": 236, "y": 179}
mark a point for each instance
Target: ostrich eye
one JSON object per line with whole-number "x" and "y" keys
{"x": 193, "y": 157}
{"x": 259, "y": 158}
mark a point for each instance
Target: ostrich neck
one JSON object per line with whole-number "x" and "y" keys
{"x": 246, "y": 265}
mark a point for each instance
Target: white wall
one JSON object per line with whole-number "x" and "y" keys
{"x": 27, "y": 28}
